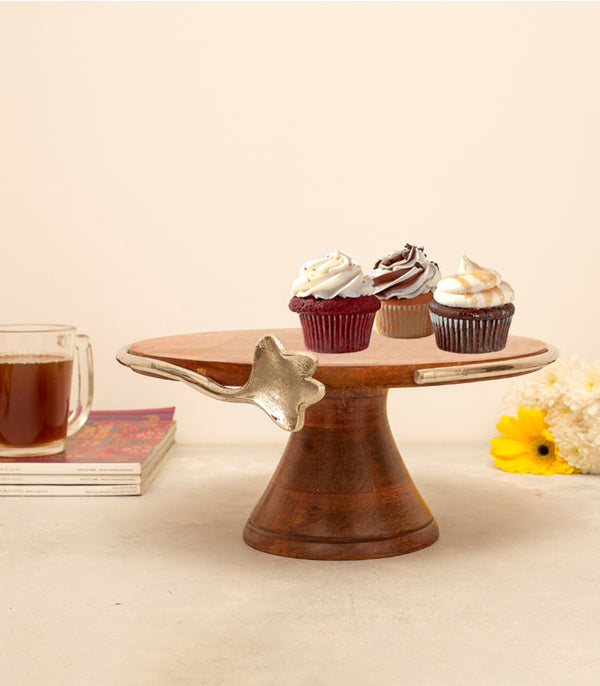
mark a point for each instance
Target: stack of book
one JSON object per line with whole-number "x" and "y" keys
{"x": 115, "y": 453}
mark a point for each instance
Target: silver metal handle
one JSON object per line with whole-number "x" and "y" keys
{"x": 280, "y": 381}
{"x": 485, "y": 370}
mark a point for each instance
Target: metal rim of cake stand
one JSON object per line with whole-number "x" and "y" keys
{"x": 485, "y": 370}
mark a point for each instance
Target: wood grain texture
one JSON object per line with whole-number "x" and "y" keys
{"x": 226, "y": 356}
{"x": 341, "y": 490}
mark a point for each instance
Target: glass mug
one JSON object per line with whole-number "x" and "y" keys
{"x": 36, "y": 369}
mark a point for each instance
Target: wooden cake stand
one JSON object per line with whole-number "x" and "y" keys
{"x": 341, "y": 490}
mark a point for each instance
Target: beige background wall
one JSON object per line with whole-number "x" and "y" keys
{"x": 165, "y": 168}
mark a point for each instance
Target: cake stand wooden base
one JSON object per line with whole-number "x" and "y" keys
{"x": 341, "y": 490}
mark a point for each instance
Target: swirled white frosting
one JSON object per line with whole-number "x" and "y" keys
{"x": 332, "y": 276}
{"x": 405, "y": 273}
{"x": 474, "y": 287}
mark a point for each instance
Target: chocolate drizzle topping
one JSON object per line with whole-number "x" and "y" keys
{"x": 401, "y": 269}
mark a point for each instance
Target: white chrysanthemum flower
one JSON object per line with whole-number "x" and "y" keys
{"x": 591, "y": 412}
{"x": 543, "y": 389}
{"x": 550, "y": 385}
{"x": 568, "y": 391}
{"x": 568, "y": 443}
{"x": 593, "y": 438}
{"x": 521, "y": 393}
{"x": 583, "y": 387}
{"x": 577, "y": 441}
{"x": 586, "y": 455}
{"x": 559, "y": 415}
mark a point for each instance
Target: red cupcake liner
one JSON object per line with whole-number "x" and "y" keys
{"x": 336, "y": 325}
{"x": 337, "y": 333}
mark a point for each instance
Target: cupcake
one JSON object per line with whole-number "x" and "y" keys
{"x": 404, "y": 281}
{"x": 333, "y": 299}
{"x": 471, "y": 311}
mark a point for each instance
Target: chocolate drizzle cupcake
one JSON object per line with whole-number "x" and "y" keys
{"x": 404, "y": 281}
{"x": 472, "y": 311}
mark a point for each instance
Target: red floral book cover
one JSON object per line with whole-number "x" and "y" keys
{"x": 117, "y": 442}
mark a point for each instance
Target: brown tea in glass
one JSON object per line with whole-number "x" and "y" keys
{"x": 34, "y": 398}
{"x": 36, "y": 369}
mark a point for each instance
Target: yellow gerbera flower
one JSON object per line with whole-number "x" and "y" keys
{"x": 527, "y": 445}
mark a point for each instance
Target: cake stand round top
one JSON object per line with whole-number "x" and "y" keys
{"x": 226, "y": 357}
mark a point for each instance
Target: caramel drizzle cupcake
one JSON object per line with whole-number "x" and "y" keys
{"x": 473, "y": 287}
{"x": 471, "y": 311}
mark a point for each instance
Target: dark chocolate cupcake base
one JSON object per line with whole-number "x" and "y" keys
{"x": 470, "y": 330}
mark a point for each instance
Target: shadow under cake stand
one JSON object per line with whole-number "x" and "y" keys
{"x": 341, "y": 490}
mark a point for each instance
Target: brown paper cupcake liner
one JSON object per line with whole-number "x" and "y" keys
{"x": 398, "y": 319}
{"x": 471, "y": 334}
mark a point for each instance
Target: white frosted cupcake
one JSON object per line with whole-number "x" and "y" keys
{"x": 333, "y": 299}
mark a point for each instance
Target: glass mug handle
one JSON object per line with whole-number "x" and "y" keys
{"x": 85, "y": 384}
